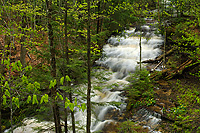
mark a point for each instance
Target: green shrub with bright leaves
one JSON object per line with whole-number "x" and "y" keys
{"x": 129, "y": 127}
{"x": 140, "y": 92}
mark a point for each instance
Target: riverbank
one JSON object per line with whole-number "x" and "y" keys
{"x": 176, "y": 100}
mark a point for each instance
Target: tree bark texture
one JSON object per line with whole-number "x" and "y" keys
{"x": 65, "y": 47}
{"x": 22, "y": 41}
{"x": 53, "y": 65}
{"x": 89, "y": 70}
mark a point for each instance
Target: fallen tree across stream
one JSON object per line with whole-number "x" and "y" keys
{"x": 171, "y": 72}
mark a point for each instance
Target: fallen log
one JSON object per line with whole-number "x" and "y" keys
{"x": 157, "y": 65}
{"x": 179, "y": 69}
{"x": 170, "y": 73}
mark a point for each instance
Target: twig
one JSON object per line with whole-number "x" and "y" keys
{"x": 157, "y": 65}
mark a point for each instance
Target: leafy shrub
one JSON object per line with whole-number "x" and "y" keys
{"x": 128, "y": 127}
{"x": 141, "y": 87}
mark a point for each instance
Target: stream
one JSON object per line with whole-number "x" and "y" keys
{"x": 120, "y": 57}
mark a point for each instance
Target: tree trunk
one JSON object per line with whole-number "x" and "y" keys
{"x": 53, "y": 65}
{"x": 159, "y": 21}
{"x": 72, "y": 112}
{"x": 98, "y": 23}
{"x": 89, "y": 69}
{"x": 68, "y": 72}
{"x": 0, "y": 109}
{"x": 164, "y": 56}
{"x": 67, "y": 59}
{"x": 140, "y": 44}
{"x": 22, "y": 41}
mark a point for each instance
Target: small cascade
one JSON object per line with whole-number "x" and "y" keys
{"x": 120, "y": 56}
{"x": 147, "y": 119}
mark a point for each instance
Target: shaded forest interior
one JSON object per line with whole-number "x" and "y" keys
{"x": 49, "y": 47}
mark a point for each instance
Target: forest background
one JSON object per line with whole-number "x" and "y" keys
{"x": 49, "y": 47}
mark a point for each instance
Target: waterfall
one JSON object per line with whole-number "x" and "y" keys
{"x": 120, "y": 56}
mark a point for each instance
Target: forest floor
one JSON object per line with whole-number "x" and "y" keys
{"x": 181, "y": 98}
{"x": 177, "y": 100}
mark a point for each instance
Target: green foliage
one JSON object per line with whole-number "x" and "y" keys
{"x": 186, "y": 113}
{"x": 180, "y": 110}
{"x": 28, "y": 99}
{"x": 4, "y": 100}
{"x": 145, "y": 102}
{"x": 141, "y": 87}
{"x": 189, "y": 96}
{"x": 45, "y": 99}
{"x": 128, "y": 127}
{"x": 15, "y": 101}
{"x": 35, "y": 101}
{"x": 60, "y": 96}
{"x": 75, "y": 104}
{"x": 52, "y": 83}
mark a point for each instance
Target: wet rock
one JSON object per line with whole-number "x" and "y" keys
{"x": 167, "y": 103}
{"x": 144, "y": 122}
{"x": 156, "y": 109}
{"x": 154, "y": 126}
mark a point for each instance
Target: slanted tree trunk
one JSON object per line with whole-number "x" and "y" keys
{"x": 88, "y": 73}
{"x": 53, "y": 66}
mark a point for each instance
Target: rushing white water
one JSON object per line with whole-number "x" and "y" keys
{"x": 121, "y": 55}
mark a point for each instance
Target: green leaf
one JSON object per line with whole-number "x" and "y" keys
{"x": 42, "y": 99}
{"x": 20, "y": 65}
{"x": 46, "y": 98}
{"x": 67, "y": 78}
{"x": 6, "y": 84}
{"x": 4, "y": 100}
{"x": 61, "y": 80}
{"x": 28, "y": 99}
{"x": 37, "y": 85}
{"x": 14, "y": 66}
{"x": 75, "y": 102}
{"x": 60, "y": 96}
{"x": 83, "y": 107}
{"x": 35, "y": 99}
{"x": 52, "y": 83}
{"x": 24, "y": 79}
{"x": 71, "y": 106}
{"x": 16, "y": 100}
{"x": 30, "y": 86}
{"x": 7, "y": 93}
{"x": 67, "y": 102}
{"x": 28, "y": 68}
